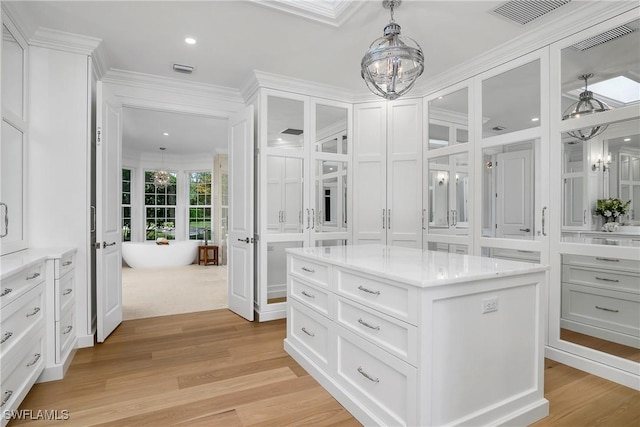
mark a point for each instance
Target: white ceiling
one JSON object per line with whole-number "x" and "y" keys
{"x": 237, "y": 37}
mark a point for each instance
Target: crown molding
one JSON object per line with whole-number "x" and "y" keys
{"x": 261, "y": 79}
{"x": 18, "y": 23}
{"x": 333, "y": 13}
{"x": 171, "y": 85}
{"x": 67, "y": 42}
{"x": 589, "y": 13}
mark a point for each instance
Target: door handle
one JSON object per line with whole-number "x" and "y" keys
{"x": 247, "y": 240}
{"x": 93, "y": 219}
{"x": 6, "y": 219}
{"x": 106, "y": 245}
{"x": 384, "y": 218}
{"x": 389, "y": 219}
{"x": 544, "y": 233}
{"x": 526, "y": 230}
{"x": 313, "y": 219}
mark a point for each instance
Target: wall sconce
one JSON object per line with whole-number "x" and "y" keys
{"x": 605, "y": 165}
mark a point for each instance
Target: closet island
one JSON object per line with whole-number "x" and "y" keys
{"x": 403, "y": 336}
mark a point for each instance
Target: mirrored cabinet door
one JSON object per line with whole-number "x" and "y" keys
{"x": 331, "y": 129}
{"x": 448, "y": 190}
{"x": 285, "y": 123}
{"x": 330, "y": 211}
{"x": 12, "y": 75}
{"x": 285, "y": 195}
{"x": 449, "y": 119}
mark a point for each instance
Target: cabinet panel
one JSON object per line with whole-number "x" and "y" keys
{"x": 12, "y": 155}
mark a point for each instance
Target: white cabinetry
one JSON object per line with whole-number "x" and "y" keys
{"x": 388, "y": 173}
{"x": 22, "y": 328}
{"x": 405, "y": 337}
{"x": 13, "y": 145}
{"x": 601, "y": 298}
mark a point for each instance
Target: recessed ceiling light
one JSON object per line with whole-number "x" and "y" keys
{"x": 627, "y": 139}
{"x": 190, "y": 40}
{"x": 166, "y": 133}
{"x": 535, "y": 119}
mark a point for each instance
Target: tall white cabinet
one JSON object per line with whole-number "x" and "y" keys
{"x": 387, "y": 173}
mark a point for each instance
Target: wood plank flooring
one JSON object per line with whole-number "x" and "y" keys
{"x": 213, "y": 368}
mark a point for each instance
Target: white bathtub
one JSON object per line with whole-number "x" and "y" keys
{"x": 149, "y": 254}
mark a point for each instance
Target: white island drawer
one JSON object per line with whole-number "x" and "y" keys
{"x": 65, "y": 264}
{"x": 314, "y": 272}
{"x": 64, "y": 291}
{"x": 382, "y": 383}
{"x": 603, "y": 262}
{"x": 617, "y": 311}
{"x": 610, "y": 279}
{"x": 65, "y": 334}
{"x": 393, "y": 299}
{"x": 315, "y": 298}
{"x": 309, "y": 330}
{"x": 397, "y": 337}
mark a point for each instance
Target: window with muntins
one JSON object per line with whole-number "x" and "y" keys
{"x": 160, "y": 208}
{"x": 200, "y": 205}
{"x": 126, "y": 205}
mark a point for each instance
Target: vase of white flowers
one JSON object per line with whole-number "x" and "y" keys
{"x": 611, "y": 211}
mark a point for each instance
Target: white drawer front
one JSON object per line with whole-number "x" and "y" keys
{"x": 397, "y": 337}
{"x": 382, "y": 382}
{"x": 314, "y": 272}
{"x": 14, "y": 286}
{"x": 65, "y": 293}
{"x": 21, "y": 317}
{"x": 393, "y": 299}
{"x": 314, "y": 297}
{"x": 617, "y": 311}
{"x": 609, "y": 279}
{"x": 65, "y": 334}
{"x": 19, "y": 373}
{"x": 604, "y": 262}
{"x": 65, "y": 264}
{"x": 310, "y": 330}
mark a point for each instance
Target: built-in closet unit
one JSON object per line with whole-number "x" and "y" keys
{"x": 302, "y": 185}
{"x": 387, "y": 171}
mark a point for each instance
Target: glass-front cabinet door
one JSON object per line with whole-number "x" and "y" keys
{"x": 13, "y": 233}
{"x": 302, "y": 186}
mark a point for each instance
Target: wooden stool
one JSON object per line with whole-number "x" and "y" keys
{"x": 203, "y": 254}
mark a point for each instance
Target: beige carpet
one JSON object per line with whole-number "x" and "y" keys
{"x": 151, "y": 292}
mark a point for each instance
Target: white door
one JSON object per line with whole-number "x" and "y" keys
{"x": 241, "y": 212}
{"x": 108, "y": 223}
{"x": 514, "y": 195}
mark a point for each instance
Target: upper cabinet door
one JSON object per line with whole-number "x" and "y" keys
{"x": 449, "y": 119}
{"x": 13, "y": 74}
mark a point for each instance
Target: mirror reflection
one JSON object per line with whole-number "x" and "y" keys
{"x": 277, "y": 270}
{"x": 284, "y": 194}
{"x": 448, "y": 194}
{"x": 508, "y": 186}
{"x": 331, "y": 129}
{"x": 449, "y": 120}
{"x": 12, "y": 74}
{"x": 285, "y": 123}
{"x": 331, "y": 193}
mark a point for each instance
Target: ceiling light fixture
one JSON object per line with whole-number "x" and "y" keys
{"x": 392, "y": 63}
{"x": 165, "y": 133}
{"x": 586, "y": 105}
{"x": 161, "y": 178}
{"x": 190, "y": 40}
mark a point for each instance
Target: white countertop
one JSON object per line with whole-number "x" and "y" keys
{"x": 10, "y": 263}
{"x": 415, "y": 266}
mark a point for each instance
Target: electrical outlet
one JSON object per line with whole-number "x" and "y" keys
{"x": 489, "y": 305}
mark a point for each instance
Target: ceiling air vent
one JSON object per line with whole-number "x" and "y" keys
{"x": 187, "y": 69}
{"x": 290, "y": 131}
{"x": 525, "y": 11}
{"x": 620, "y": 31}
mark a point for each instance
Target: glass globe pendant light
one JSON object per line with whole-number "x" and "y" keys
{"x": 393, "y": 63}
{"x": 586, "y": 105}
{"x": 161, "y": 178}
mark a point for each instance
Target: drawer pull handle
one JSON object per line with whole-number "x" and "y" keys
{"x": 33, "y": 276}
{"x": 67, "y": 263}
{"x": 308, "y": 270}
{"x": 308, "y": 333}
{"x": 67, "y": 330}
{"x": 607, "y": 309}
{"x": 604, "y": 279}
{"x": 35, "y": 360}
{"x": 35, "y": 311}
{"x": 369, "y": 291}
{"x": 608, "y": 259}
{"x": 367, "y": 376}
{"x": 6, "y": 337}
{"x": 5, "y": 398}
{"x": 6, "y": 291}
{"x": 362, "y": 322}
{"x": 308, "y": 295}
{"x": 67, "y": 291}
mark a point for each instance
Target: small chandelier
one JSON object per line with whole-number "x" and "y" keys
{"x": 585, "y": 106}
{"x": 393, "y": 63}
{"x": 161, "y": 178}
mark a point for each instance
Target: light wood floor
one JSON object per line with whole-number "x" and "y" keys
{"x": 215, "y": 369}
